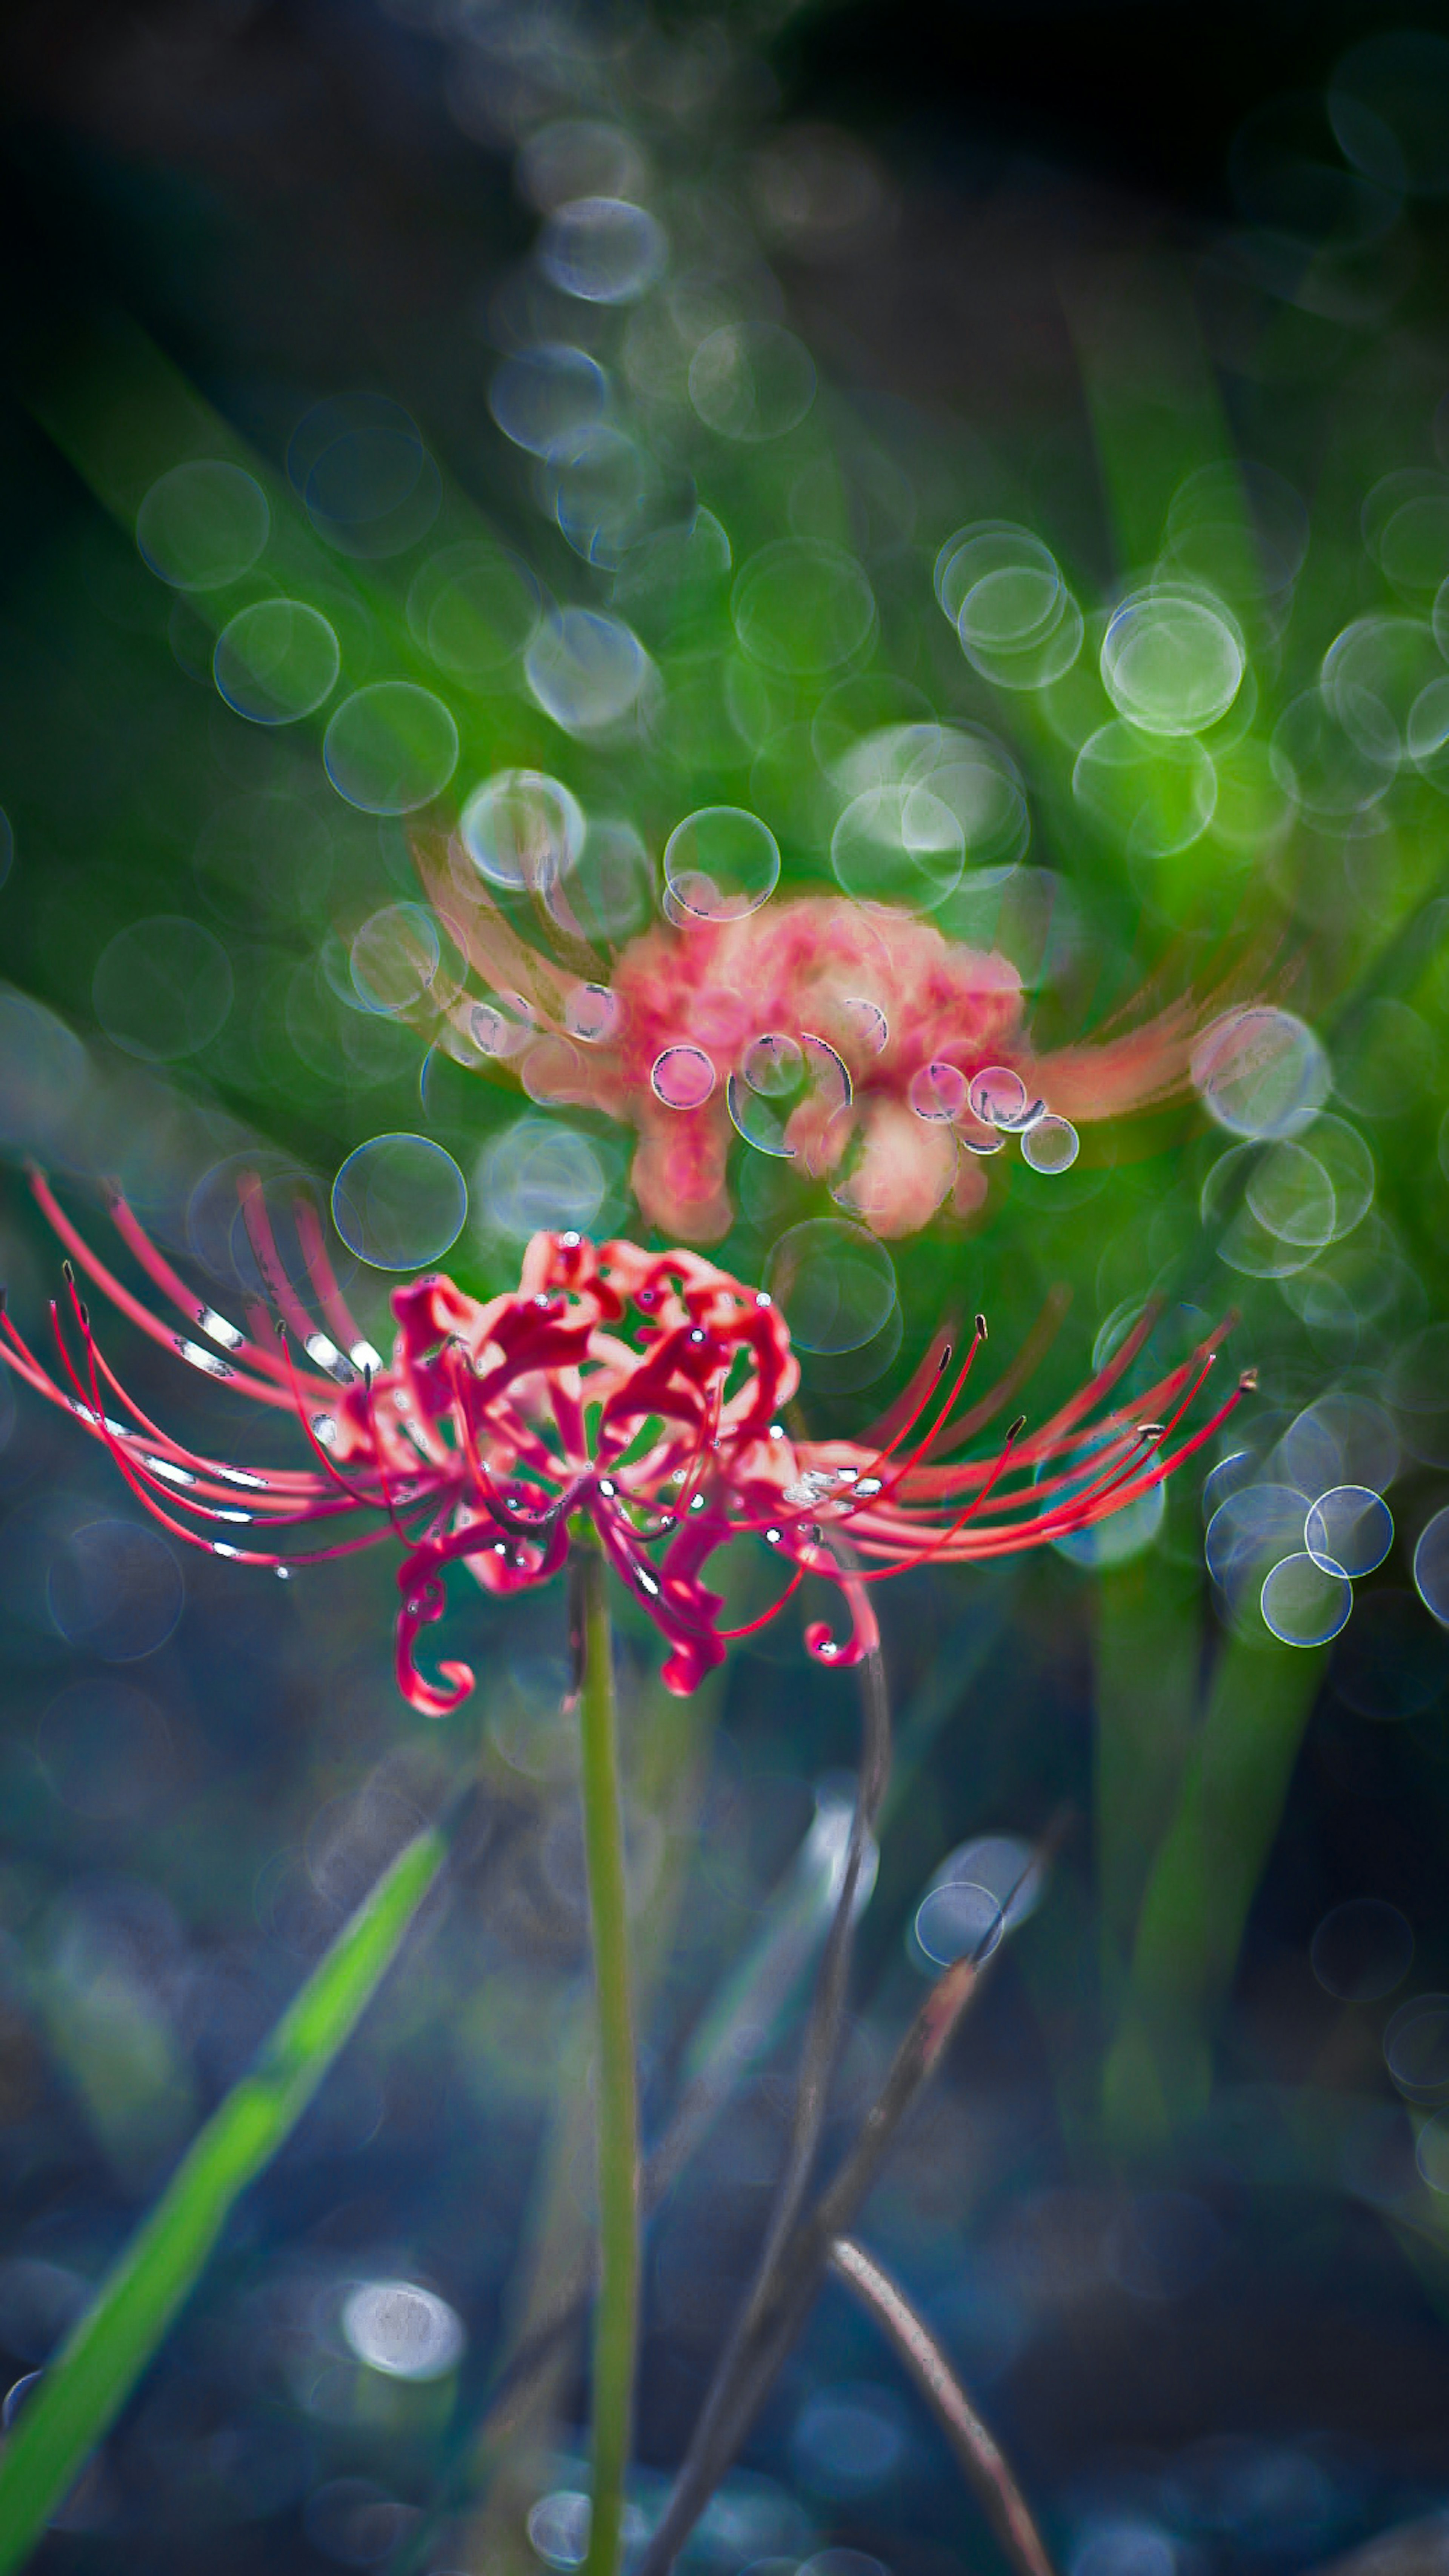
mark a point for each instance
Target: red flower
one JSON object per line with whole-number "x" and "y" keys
{"x": 640, "y": 1390}
{"x": 897, "y": 1021}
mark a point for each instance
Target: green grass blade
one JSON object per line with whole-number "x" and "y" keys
{"x": 1202, "y": 1883}
{"x": 85, "y": 2388}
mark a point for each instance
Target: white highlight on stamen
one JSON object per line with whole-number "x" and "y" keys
{"x": 363, "y": 1356}
{"x": 325, "y": 1354}
{"x": 242, "y": 1476}
{"x": 646, "y": 1582}
{"x": 206, "y": 1361}
{"x": 219, "y": 1547}
{"x": 173, "y": 1475}
{"x": 217, "y": 1329}
{"x": 869, "y": 1485}
{"x": 325, "y": 1430}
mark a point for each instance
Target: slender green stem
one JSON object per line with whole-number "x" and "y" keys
{"x": 616, "y": 2097}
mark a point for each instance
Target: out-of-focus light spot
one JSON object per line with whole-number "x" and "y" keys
{"x": 1003, "y": 591}
{"x": 276, "y": 661}
{"x": 402, "y": 2330}
{"x": 898, "y": 845}
{"x": 1052, "y": 1145}
{"x": 398, "y": 957}
{"x": 1124, "y": 2548}
{"x": 1328, "y": 770}
{"x": 721, "y": 863}
{"x": 603, "y": 250}
{"x": 1362, "y": 1950}
{"x": 355, "y": 2523}
{"x": 1431, "y": 2154}
{"x": 817, "y": 189}
{"x": 543, "y": 396}
{"x": 591, "y": 1012}
{"x": 364, "y": 476}
{"x": 1416, "y": 2047}
{"x": 116, "y": 1590}
{"x": 390, "y": 748}
{"x": 1305, "y": 1603}
{"x": 585, "y": 670}
{"x": 803, "y": 609}
{"x": 835, "y": 1284}
{"x": 1373, "y": 675}
{"x": 1241, "y": 527}
{"x": 958, "y": 1920}
{"x": 1431, "y": 1566}
{"x": 1172, "y": 660}
{"x": 474, "y": 609}
{"x": 399, "y": 1202}
{"x": 1386, "y": 1060}
{"x": 607, "y": 493}
{"x": 1261, "y": 1072}
{"x": 558, "y": 2527}
{"x": 1290, "y": 1194}
{"x": 1152, "y": 794}
{"x": 1250, "y": 1532}
{"x": 777, "y": 1075}
{"x": 162, "y": 988}
{"x": 683, "y": 1077}
{"x": 577, "y": 156}
{"x": 1416, "y": 1384}
{"x": 1388, "y": 100}
{"x": 203, "y": 524}
{"x": 1349, "y": 1531}
{"x": 751, "y": 381}
{"x": 522, "y": 830}
{"x": 537, "y": 1174}
{"x": 849, "y": 2441}
{"x": 605, "y": 889}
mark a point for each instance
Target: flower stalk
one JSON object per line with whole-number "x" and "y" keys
{"x": 616, "y": 2309}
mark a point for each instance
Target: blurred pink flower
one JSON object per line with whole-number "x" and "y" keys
{"x": 903, "y": 1021}
{"x": 640, "y": 1391}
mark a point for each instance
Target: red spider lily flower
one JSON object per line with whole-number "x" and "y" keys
{"x": 641, "y": 1391}
{"x": 898, "y": 1021}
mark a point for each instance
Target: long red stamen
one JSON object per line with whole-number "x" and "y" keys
{"x": 257, "y": 1219}
{"x": 908, "y": 1564}
{"x": 205, "y": 1317}
{"x": 329, "y": 1296}
{"x": 131, "y": 1307}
